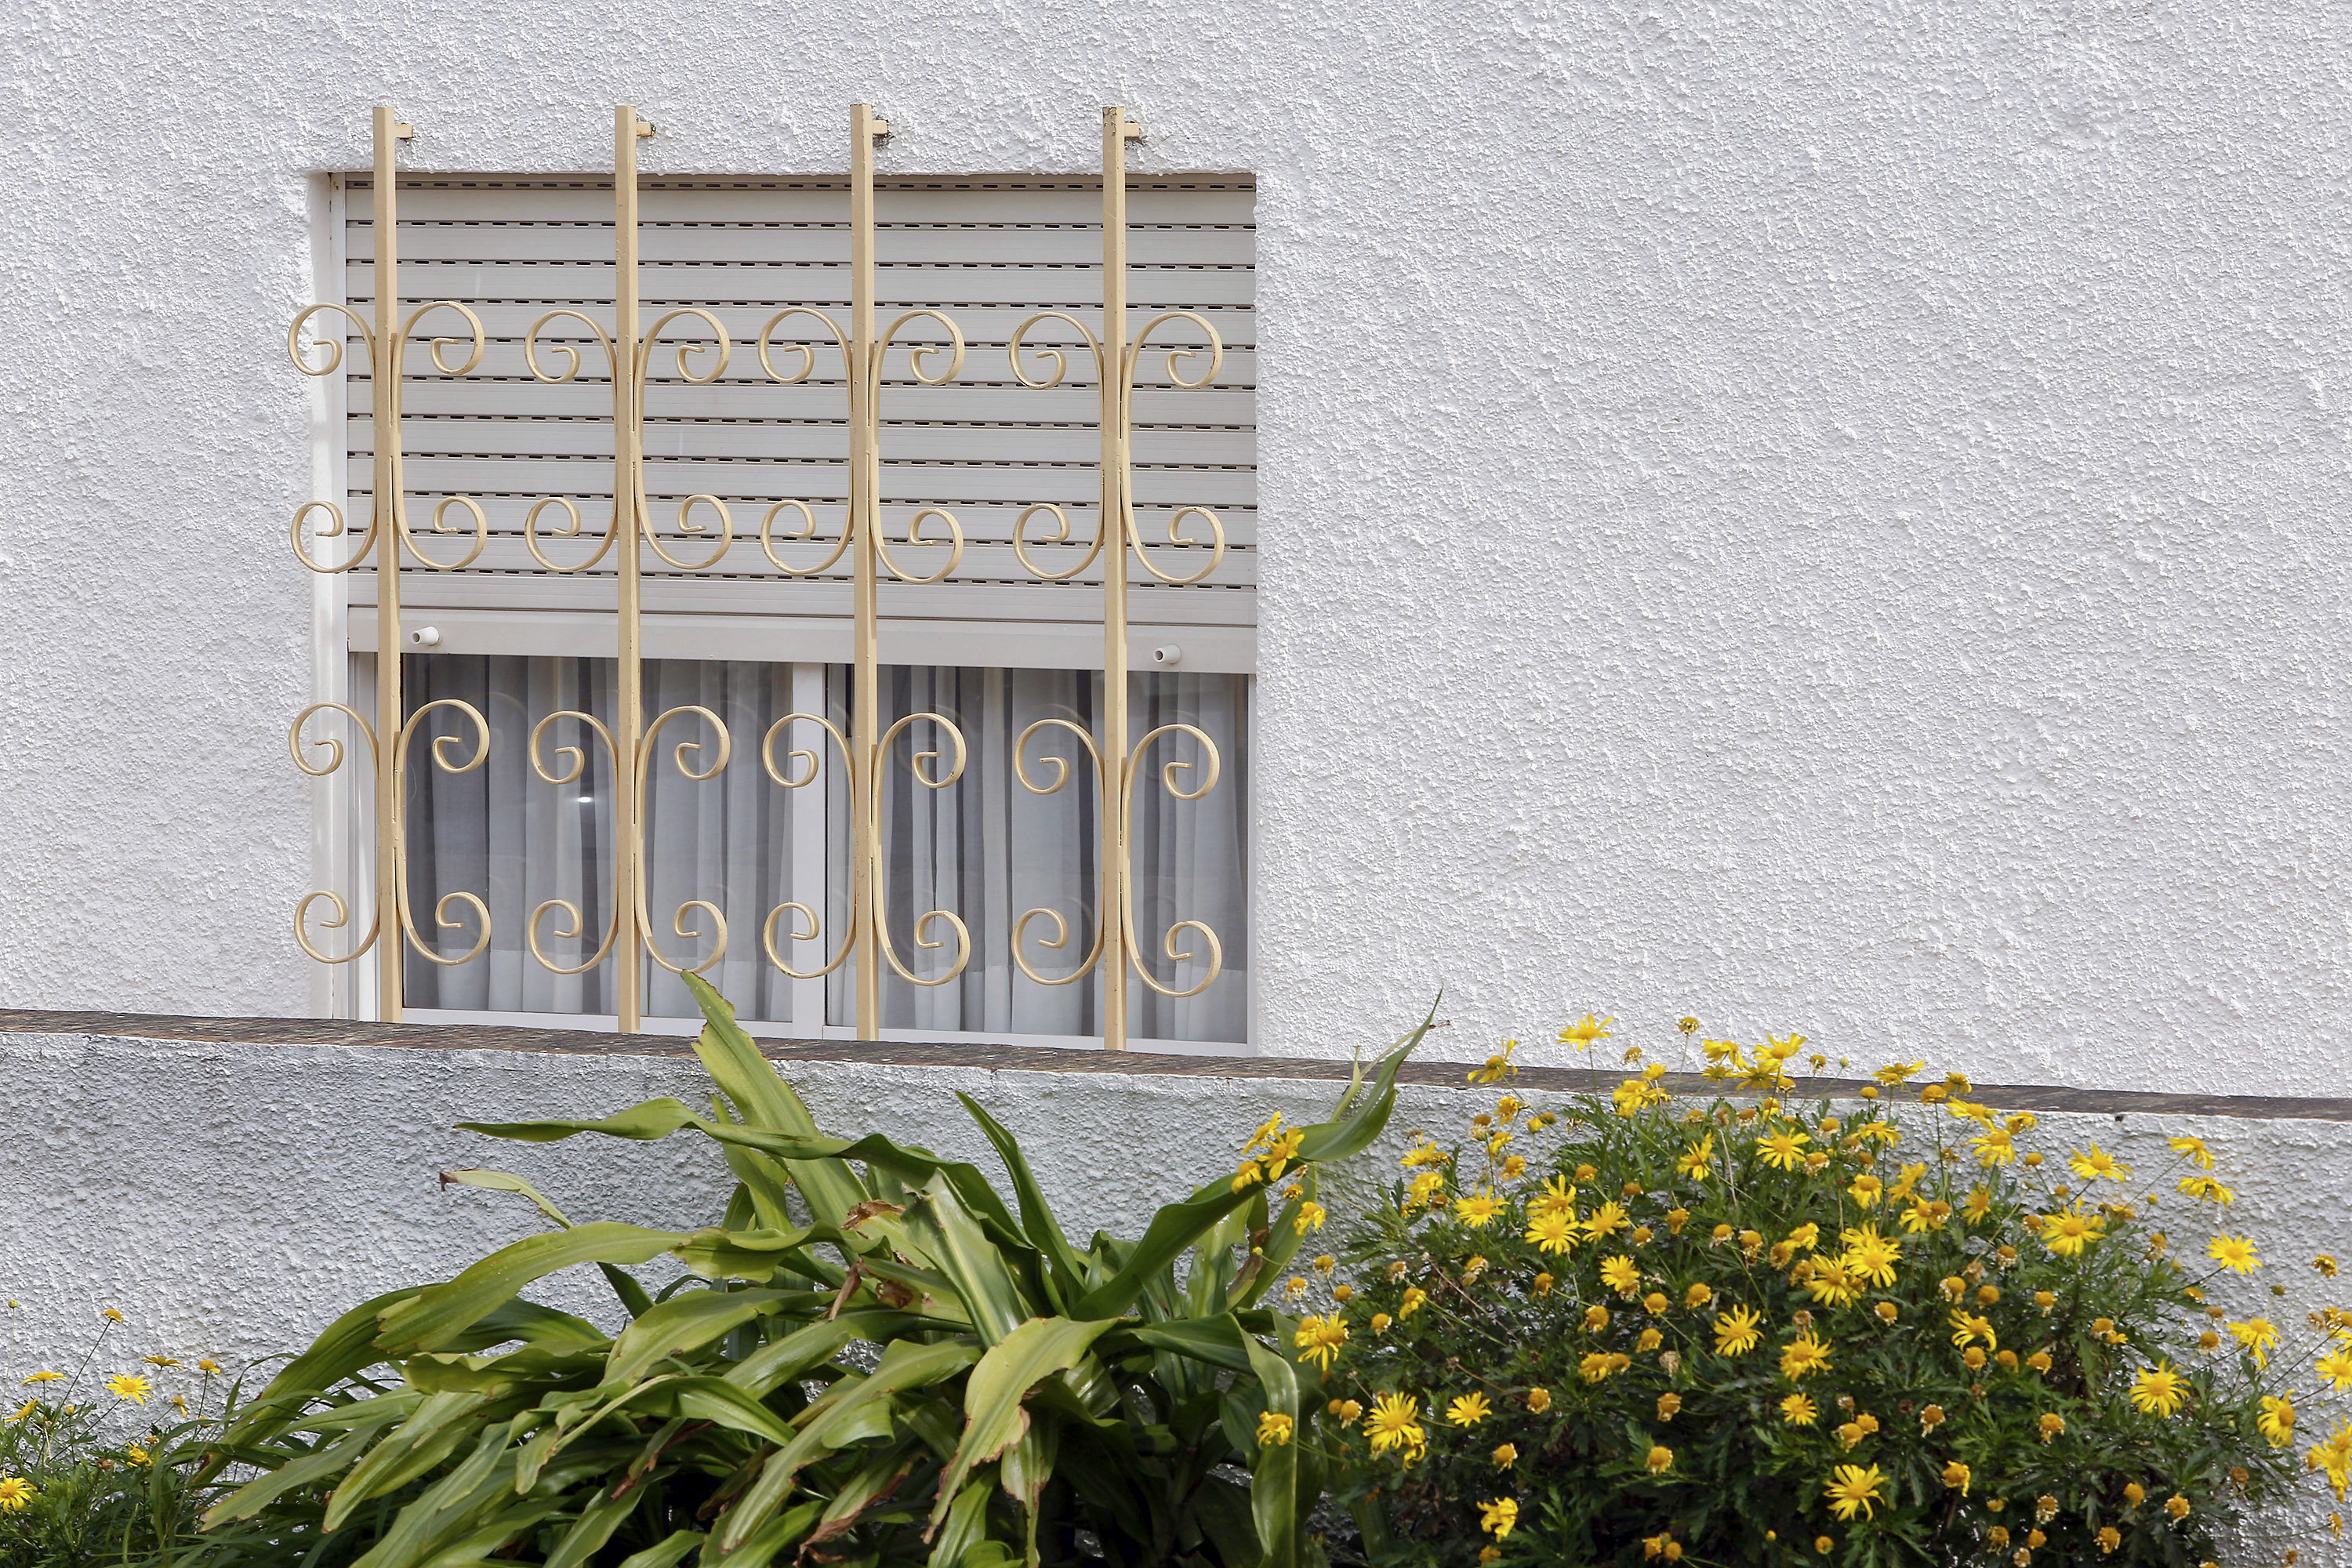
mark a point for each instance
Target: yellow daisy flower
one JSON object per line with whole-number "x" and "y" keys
{"x": 1736, "y": 1330}
{"x": 1319, "y": 1339}
{"x": 2258, "y": 1335}
{"x": 1872, "y": 1257}
{"x": 2158, "y": 1390}
{"x": 1551, "y": 1232}
{"x": 1395, "y": 1423}
{"x": 2068, "y": 1232}
{"x": 1855, "y": 1489}
{"x": 1803, "y": 1355}
{"x": 1478, "y": 1208}
{"x": 2235, "y": 1253}
{"x": 2096, "y": 1163}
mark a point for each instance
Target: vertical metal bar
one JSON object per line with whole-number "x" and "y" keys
{"x": 391, "y": 817}
{"x": 333, "y": 800}
{"x": 864, "y": 519}
{"x": 1116, "y": 130}
{"x": 810, "y": 832}
{"x": 628, "y": 464}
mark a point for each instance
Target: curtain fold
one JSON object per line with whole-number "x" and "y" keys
{"x": 983, "y": 849}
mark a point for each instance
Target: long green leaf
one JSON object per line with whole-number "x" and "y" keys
{"x": 774, "y": 1537}
{"x": 594, "y": 1527}
{"x": 755, "y": 1255}
{"x": 849, "y": 1411}
{"x": 1212, "y": 1266}
{"x": 779, "y": 1361}
{"x": 716, "y": 1399}
{"x": 1180, "y": 1225}
{"x": 992, "y": 1293}
{"x": 1274, "y": 1499}
{"x": 543, "y": 1328}
{"x": 447, "y": 1510}
{"x": 453, "y": 1546}
{"x": 327, "y": 1459}
{"x": 910, "y": 1166}
{"x": 634, "y": 1298}
{"x": 667, "y": 1553}
{"x": 1218, "y": 1341}
{"x": 1024, "y": 1470}
{"x": 345, "y": 1347}
{"x": 763, "y": 1180}
{"x": 421, "y": 1442}
{"x": 767, "y": 1102}
{"x": 645, "y": 1123}
{"x": 1351, "y": 1131}
{"x": 1172, "y": 1230}
{"x": 683, "y": 1323}
{"x": 874, "y": 1480}
{"x": 1045, "y": 1232}
{"x": 1284, "y": 1235}
{"x": 994, "y": 1419}
{"x": 432, "y": 1318}
{"x": 967, "y": 1517}
{"x": 507, "y": 1182}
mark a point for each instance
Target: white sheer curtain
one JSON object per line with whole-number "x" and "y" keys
{"x": 984, "y": 848}
{"x": 988, "y": 850}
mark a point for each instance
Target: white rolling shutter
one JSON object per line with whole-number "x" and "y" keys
{"x": 988, "y": 251}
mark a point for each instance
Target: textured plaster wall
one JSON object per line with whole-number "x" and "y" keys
{"x": 231, "y": 1199}
{"x": 1827, "y": 516}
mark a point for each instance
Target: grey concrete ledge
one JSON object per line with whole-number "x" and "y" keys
{"x": 2118, "y": 1103}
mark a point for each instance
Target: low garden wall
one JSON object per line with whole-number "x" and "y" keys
{"x": 231, "y": 1185}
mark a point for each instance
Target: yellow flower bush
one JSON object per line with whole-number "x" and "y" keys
{"x": 1887, "y": 1326}
{"x": 90, "y": 1472}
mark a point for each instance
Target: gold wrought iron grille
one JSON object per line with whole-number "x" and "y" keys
{"x": 618, "y": 341}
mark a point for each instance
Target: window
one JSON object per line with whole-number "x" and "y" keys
{"x": 991, "y": 648}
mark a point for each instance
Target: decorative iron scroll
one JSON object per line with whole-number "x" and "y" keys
{"x": 698, "y": 539}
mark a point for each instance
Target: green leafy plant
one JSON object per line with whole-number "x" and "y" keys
{"x": 874, "y": 1359}
{"x": 1637, "y": 1327}
{"x": 97, "y": 1468}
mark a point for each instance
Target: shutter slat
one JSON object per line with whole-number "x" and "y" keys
{"x": 762, "y": 441}
{"x": 526, "y": 243}
{"x": 984, "y": 565}
{"x": 982, "y": 520}
{"x": 990, "y": 204}
{"x": 945, "y": 484}
{"x": 734, "y": 398}
{"x": 986, "y": 329}
{"x": 681, "y": 283}
{"x": 1069, "y": 604}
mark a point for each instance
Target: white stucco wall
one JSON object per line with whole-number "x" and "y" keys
{"x": 1824, "y": 517}
{"x": 231, "y": 1199}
